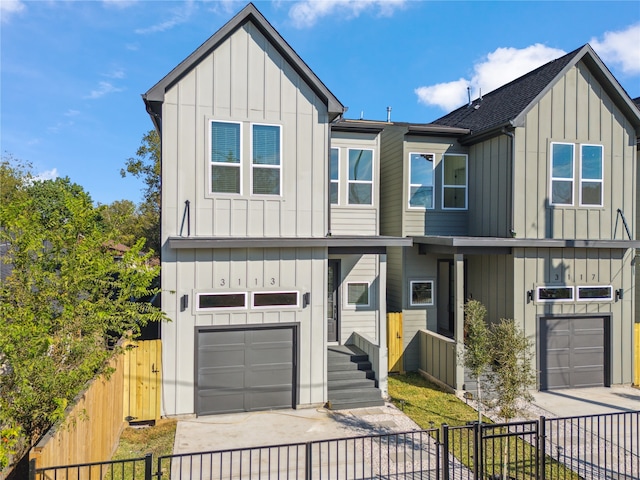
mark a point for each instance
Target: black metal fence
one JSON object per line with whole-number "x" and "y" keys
{"x": 587, "y": 447}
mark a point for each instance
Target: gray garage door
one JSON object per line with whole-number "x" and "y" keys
{"x": 244, "y": 369}
{"x": 573, "y": 352}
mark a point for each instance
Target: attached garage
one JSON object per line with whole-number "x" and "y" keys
{"x": 245, "y": 368}
{"x": 574, "y": 352}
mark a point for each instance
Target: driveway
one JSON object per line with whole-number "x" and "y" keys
{"x": 587, "y": 401}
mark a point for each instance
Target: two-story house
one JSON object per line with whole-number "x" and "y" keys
{"x": 521, "y": 199}
{"x": 271, "y": 250}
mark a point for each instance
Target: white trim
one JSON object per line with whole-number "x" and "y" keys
{"x": 362, "y": 182}
{"x": 597, "y": 299}
{"x": 356, "y": 305}
{"x": 331, "y": 181}
{"x": 211, "y": 163}
{"x": 216, "y": 309}
{"x": 433, "y": 182}
{"x": 466, "y": 181}
{"x": 551, "y": 300}
{"x": 590, "y": 180}
{"x": 433, "y": 296}
{"x": 260, "y": 165}
{"x": 563, "y": 179}
{"x": 271, "y": 307}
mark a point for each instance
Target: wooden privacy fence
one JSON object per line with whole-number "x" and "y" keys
{"x": 142, "y": 380}
{"x": 395, "y": 342}
{"x": 636, "y": 358}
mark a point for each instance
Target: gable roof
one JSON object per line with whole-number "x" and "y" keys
{"x": 508, "y": 105}
{"x": 155, "y": 95}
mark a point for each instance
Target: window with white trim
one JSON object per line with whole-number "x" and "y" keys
{"x": 421, "y": 180}
{"x": 214, "y": 301}
{"x": 454, "y": 181}
{"x": 225, "y": 157}
{"x": 594, "y": 293}
{"x": 360, "y": 179}
{"x": 334, "y": 167}
{"x": 266, "y": 159}
{"x": 562, "y": 172}
{"x": 358, "y": 294}
{"x": 275, "y": 299}
{"x": 554, "y": 294}
{"x": 591, "y": 175}
{"x": 421, "y": 293}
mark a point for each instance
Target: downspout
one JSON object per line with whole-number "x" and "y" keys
{"x": 509, "y": 133}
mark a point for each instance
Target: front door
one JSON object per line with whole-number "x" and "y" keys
{"x": 333, "y": 303}
{"x": 445, "y": 298}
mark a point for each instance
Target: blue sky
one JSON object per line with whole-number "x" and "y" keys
{"x": 72, "y": 72}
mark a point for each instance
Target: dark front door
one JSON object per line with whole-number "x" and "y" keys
{"x": 446, "y": 290}
{"x": 333, "y": 303}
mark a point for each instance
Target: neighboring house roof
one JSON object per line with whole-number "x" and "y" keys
{"x": 508, "y": 105}
{"x": 637, "y": 102}
{"x": 155, "y": 96}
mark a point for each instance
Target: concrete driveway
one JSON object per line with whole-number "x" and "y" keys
{"x": 588, "y": 401}
{"x": 278, "y": 427}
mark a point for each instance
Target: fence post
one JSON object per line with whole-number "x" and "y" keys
{"x": 542, "y": 441}
{"x": 32, "y": 469}
{"x": 445, "y": 451}
{"x": 148, "y": 466}
{"x": 476, "y": 451}
{"x": 308, "y": 464}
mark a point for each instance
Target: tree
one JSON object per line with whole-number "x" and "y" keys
{"x": 65, "y": 302}
{"x": 146, "y": 165}
{"x": 477, "y": 345}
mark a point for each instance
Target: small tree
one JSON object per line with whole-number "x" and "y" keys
{"x": 477, "y": 345}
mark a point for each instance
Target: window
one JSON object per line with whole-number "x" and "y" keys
{"x": 558, "y": 294}
{"x": 274, "y": 299}
{"x": 421, "y": 180}
{"x": 360, "y": 177}
{"x": 592, "y": 293}
{"x": 562, "y": 173}
{"x": 266, "y": 159}
{"x": 454, "y": 182}
{"x": 358, "y": 293}
{"x": 209, "y": 301}
{"x": 421, "y": 293}
{"x": 591, "y": 177}
{"x": 225, "y": 157}
{"x": 334, "y": 163}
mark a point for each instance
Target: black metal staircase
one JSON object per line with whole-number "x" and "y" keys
{"x": 351, "y": 382}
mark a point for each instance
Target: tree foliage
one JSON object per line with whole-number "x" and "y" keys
{"x": 65, "y": 300}
{"x": 477, "y": 352}
{"x": 146, "y": 165}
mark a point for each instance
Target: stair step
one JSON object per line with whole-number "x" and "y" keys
{"x": 350, "y": 374}
{"x": 335, "y": 385}
{"x": 346, "y": 404}
{"x": 362, "y": 393}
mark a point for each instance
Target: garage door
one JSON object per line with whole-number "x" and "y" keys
{"x": 573, "y": 352}
{"x": 244, "y": 369}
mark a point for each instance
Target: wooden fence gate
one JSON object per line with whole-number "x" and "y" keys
{"x": 394, "y": 342}
{"x": 142, "y": 380}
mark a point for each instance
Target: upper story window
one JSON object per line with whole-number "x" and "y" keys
{"x": 225, "y": 157}
{"x": 421, "y": 180}
{"x": 589, "y": 173}
{"x": 266, "y": 160}
{"x": 360, "y": 177}
{"x": 454, "y": 181}
{"x": 334, "y": 186}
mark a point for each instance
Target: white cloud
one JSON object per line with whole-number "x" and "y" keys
{"x": 71, "y": 113}
{"x": 104, "y": 88}
{"x": 117, "y": 74}
{"x": 47, "y": 175}
{"x": 620, "y": 48}
{"x": 307, "y": 12}
{"x": 119, "y": 3}
{"x": 179, "y": 15}
{"x": 496, "y": 69}
{"x": 10, "y": 7}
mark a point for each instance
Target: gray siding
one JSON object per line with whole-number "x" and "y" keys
{"x": 575, "y": 110}
{"x": 394, "y": 278}
{"x": 241, "y": 270}
{"x": 391, "y": 180}
{"x": 245, "y": 80}
{"x": 490, "y": 281}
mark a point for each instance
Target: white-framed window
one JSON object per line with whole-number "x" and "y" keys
{"x": 562, "y": 173}
{"x": 266, "y": 159}
{"x": 454, "y": 181}
{"x": 421, "y": 293}
{"x": 591, "y": 175}
{"x": 358, "y": 294}
{"x": 421, "y": 186}
{"x": 360, "y": 180}
{"x": 284, "y": 299}
{"x": 554, "y": 294}
{"x": 225, "y": 157}
{"x": 334, "y": 184}
{"x": 595, "y": 293}
{"x": 219, "y": 301}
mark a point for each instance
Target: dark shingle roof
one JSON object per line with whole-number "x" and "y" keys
{"x": 507, "y": 102}
{"x": 637, "y": 102}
